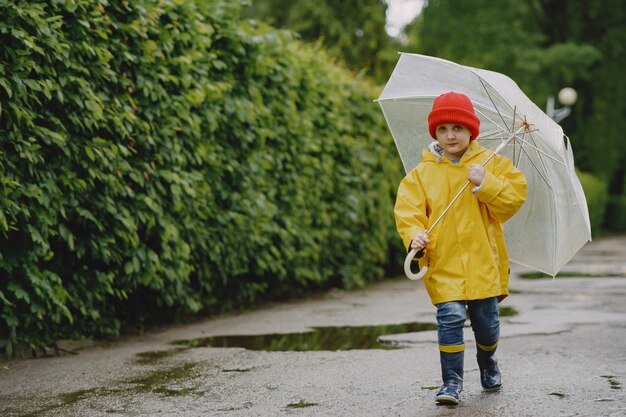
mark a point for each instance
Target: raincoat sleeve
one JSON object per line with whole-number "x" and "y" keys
{"x": 410, "y": 209}
{"x": 503, "y": 190}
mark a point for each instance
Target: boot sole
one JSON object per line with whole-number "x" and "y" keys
{"x": 494, "y": 389}
{"x": 447, "y": 400}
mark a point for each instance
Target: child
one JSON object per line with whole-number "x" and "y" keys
{"x": 466, "y": 254}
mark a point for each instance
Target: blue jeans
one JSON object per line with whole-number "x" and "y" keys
{"x": 484, "y": 318}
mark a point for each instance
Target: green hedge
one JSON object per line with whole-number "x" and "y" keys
{"x": 615, "y": 217}
{"x": 170, "y": 156}
{"x": 596, "y": 194}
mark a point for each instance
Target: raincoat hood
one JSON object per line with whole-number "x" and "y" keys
{"x": 435, "y": 153}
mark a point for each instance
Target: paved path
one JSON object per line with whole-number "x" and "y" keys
{"x": 564, "y": 354}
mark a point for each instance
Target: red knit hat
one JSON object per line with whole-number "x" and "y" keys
{"x": 453, "y": 108}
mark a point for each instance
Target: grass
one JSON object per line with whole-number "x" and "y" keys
{"x": 301, "y": 404}
{"x": 508, "y": 312}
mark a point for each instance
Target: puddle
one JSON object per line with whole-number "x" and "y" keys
{"x": 541, "y": 275}
{"x": 154, "y": 357}
{"x": 174, "y": 381}
{"x": 319, "y": 338}
{"x": 160, "y": 381}
{"x": 67, "y": 399}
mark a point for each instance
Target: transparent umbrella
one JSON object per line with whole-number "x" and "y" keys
{"x": 553, "y": 224}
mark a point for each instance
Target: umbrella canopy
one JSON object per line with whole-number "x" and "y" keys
{"x": 553, "y": 224}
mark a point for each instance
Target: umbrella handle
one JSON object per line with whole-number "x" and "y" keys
{"x": 407, "y": 267}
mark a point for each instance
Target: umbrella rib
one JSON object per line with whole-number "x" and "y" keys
{"x": 513, "y": 124}
{"x": 536, "y": 168}
{"x": 539, "y": 154}
{"x": 519, "y": 154}
{"x": 506, "y": 131}
{"x": 541, "y": 160}
{"x": 502, "y": 135}
{"x": 494, "y": 104}
{"x": 524, "y": 141}
{"x": 554, "y": 225}
{"x": 405, "y": 97}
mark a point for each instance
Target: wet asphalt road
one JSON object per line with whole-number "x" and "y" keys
{"x": 563, "y": 354}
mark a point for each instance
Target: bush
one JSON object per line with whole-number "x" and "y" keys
{"x": 596, "y": 194}
{"x": 615, "y": 218}
{"x": 170, "y": 156}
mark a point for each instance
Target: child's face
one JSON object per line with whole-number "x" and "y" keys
{"x": 453, "y": 139}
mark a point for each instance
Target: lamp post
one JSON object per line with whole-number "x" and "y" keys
{"x": 567, "y": 97}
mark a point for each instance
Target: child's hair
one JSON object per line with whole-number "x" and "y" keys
{"x": 453, "y": 108}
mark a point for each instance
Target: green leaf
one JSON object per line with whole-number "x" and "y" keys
{"x": 90, "y": 154}
{"x": 5, "y": 84}
{"x": 19, "y": 292}
{"x": 5, "y": 300}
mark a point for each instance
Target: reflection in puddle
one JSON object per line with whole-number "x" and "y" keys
{"x": 565, "y": 274}
{"x": 154, "y": 357}
{"x": 319, "y": 338}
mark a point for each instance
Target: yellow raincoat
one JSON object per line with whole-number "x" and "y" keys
{"x": 466, "y": 256}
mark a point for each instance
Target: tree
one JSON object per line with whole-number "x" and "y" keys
{"x": 351, "y": 30}
{"x": 545, "y": 45}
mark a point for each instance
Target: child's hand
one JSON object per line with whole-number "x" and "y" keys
{"x": 419, "y": 242}
{"x": 476, "y": 174}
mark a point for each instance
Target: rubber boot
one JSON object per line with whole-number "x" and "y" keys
{"x": 452, "y": 375}
{"x": 490, "y": 377}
